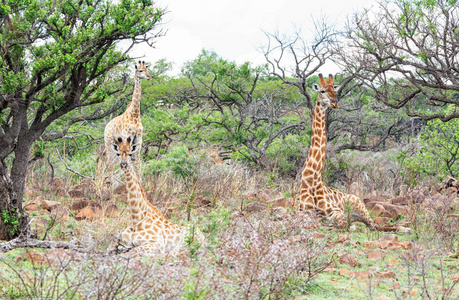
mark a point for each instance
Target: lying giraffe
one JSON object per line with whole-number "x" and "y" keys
{"x": 127, "y": 125}
{"x": 150, "y": 233}
{"x": 330, "y": 203}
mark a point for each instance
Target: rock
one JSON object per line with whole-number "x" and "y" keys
{"x": 49, "y": 205}
{"x": 59, "y": 257}
{"x": 33, "y": 256}
{"x": 386, "y": 274}
{"x": 318, "y": 235}
{"x": 31, "y": 207}
{"x": 87, "y": 182}
{"x": 348, "y": 260}
{"x": 273, "y": 194}
{"x": 60, "y": 212}
{"x": 388, "y": 241}
{"x": 28, "y": 193}
{"x": 78, "y": 204}
{"x": 370, "y": 205}
{"x": 377, "y": 210}
{"x": 279, "y": 213}
{"x": 387, "y": 215}
{"x": 451, "y": 191}
{"x": 121, "y": 189}
{"x": 58, "y": 187}
{"x": 255, "y": 206}
{"x": 402, "y": 200}
{"x": 382, "y": 220}
{"x": 203, "y": 201}
{"x": 76, "y": 191}
{"x": 111, "y": 210}
{"x": 344, "y": 272}
{"x": 279, "y": 210}
{"x": 84, "y": 189}
{"x": 104, "y": 194}
{"x": 373, "y": 198}
{"x": 376, "y": 254}
{"x": 394, "y": 210}
{"x": 85, "y": 213}
{"x": 263, "y": 197}
{"x": 449, "y": 181}
{"x": 352, "y": 274}
{"x": 278, "y": 202}
{"x": 201, "y": 211}
{"x": 57, "y": 184}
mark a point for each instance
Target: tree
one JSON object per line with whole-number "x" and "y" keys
{"x": 407, "y": 52}
{"x": 57, "y": 56}
{"x": 239, "y": 107}
{"x": 437, "y": 154}
{"x": 359, "y": 123}
{"x": 294, "y": 60}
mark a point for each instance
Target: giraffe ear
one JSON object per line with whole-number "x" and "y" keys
{"x": 336, "y": 87}
{"x": 136, "y": 67}
{"x": 316, "y": 87}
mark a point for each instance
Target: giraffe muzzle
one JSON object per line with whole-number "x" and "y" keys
{"x": 123, "y": 165}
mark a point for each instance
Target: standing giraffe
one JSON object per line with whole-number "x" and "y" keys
{"x": 330, "y": 203}
{"x": 127, "y": 126}
{"x": 149, "y": 232}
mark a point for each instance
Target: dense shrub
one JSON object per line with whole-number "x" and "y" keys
{"x": 436, "y": 154}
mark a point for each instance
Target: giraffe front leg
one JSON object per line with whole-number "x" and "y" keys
{"x": 127, "y": 238}
{"x": 151, "y": 249}
{"x": 359, "y": 212}
{"x": 337, "y": 217}
{"x": 306, "y": 202}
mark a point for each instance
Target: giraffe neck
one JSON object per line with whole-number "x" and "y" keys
{"x": 134, "y": 107}
{"x": 314, "y": 162}
{"x": 139, "y": 207}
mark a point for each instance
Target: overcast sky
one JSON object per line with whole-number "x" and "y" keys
{"x": 234, "y": 28}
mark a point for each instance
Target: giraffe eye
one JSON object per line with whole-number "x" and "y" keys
{"x": 115, "y": 147}
{"x": 120, "y": 139}
{"x": 129, "y": 139}
{"x": 133, "y": 148}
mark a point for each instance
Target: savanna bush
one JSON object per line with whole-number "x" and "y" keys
{"x": 176, "y": 160}
{"x": 437, "y": 154}
{"x": 373, "y": 171}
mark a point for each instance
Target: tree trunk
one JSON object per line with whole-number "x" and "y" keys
{"x": 13, "y": 219}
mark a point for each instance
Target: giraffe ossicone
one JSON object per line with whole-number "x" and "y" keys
{"x": 150, "y": 233}
{"x": 127, "y": 125}
{"x": 330, "y": 203}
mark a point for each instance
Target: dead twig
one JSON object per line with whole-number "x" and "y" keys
{"x": 70, "y": 169}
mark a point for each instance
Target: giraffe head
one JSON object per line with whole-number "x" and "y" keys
{"x": 141, "y": 71}
{"x": 125, "y": 148}
{"x": 326, "y": 91}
